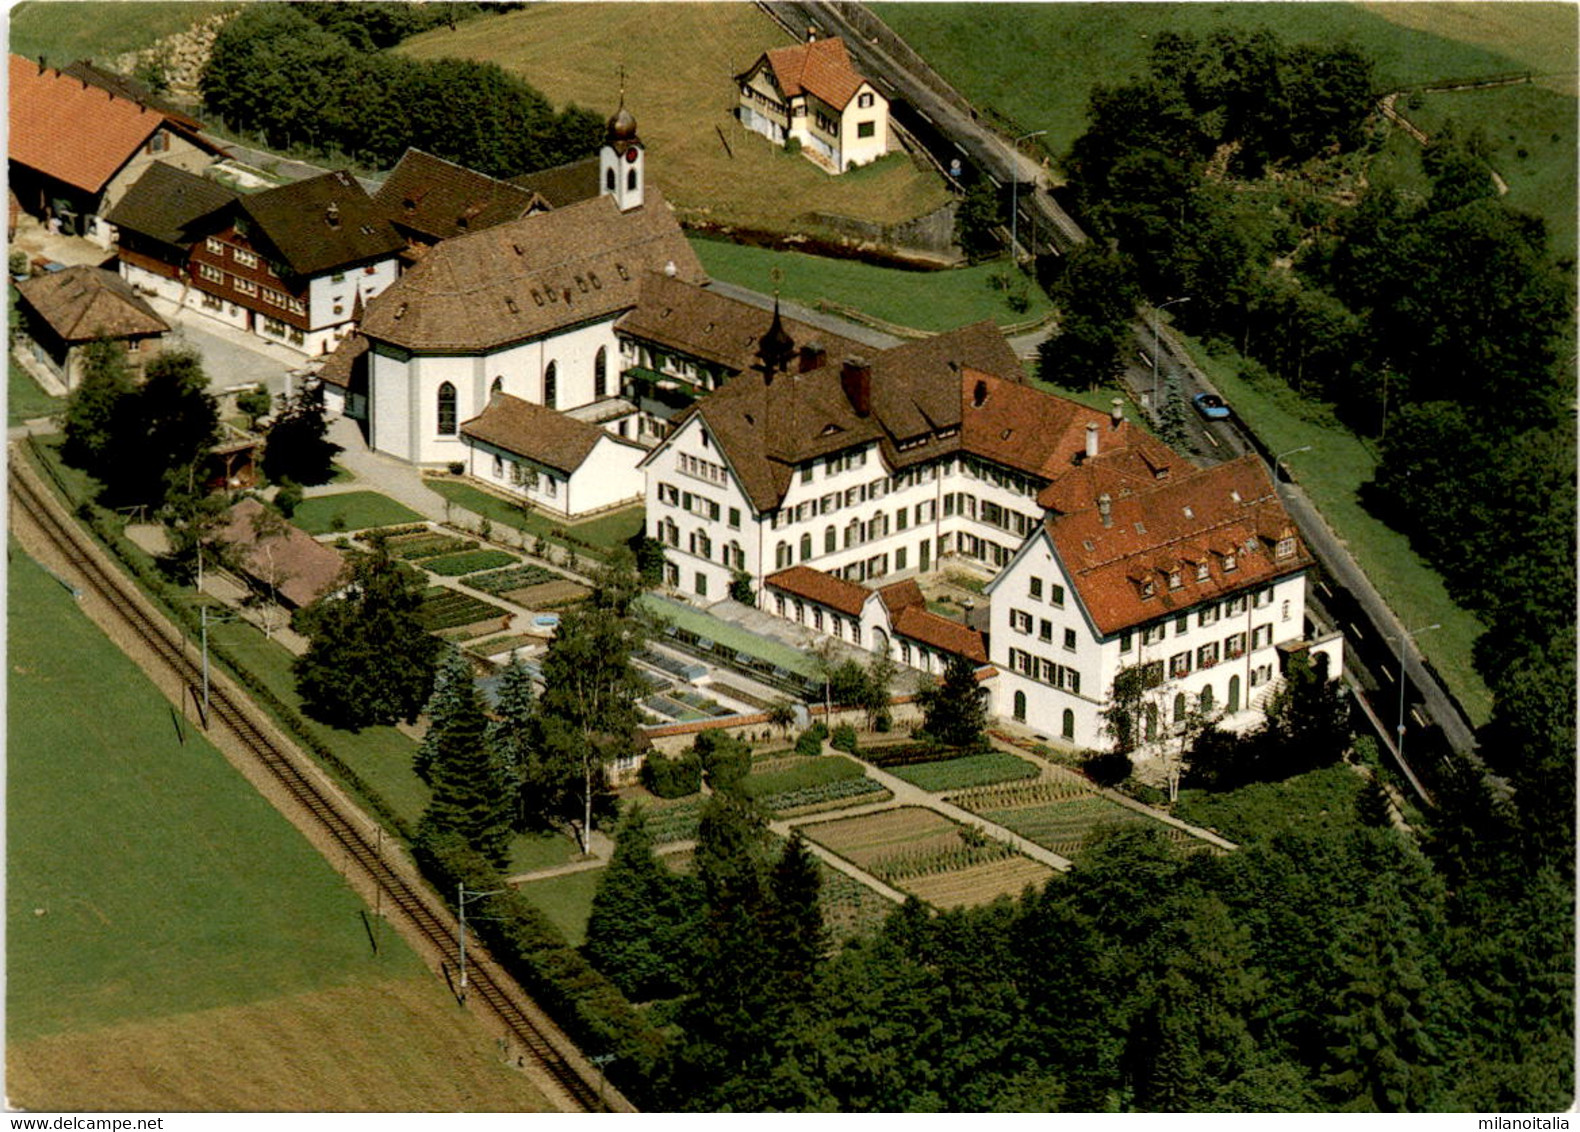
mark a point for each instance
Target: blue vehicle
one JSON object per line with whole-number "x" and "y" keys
{"x": 1211, "y": 406}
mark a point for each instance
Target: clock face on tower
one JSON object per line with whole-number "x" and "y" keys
{"x": 630, "y": 156}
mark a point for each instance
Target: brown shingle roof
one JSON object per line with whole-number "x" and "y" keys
{"x": 301, "y": 569}
{"x": 531, "y": 277}
{"x": 561, "y": 185}
{"x": 821, "y": 68}
{"x": 1231, "y": 508}
{"x": 322, "y": 223}
{"x": 825, "y": 589}
{"x": 715, "y": 327}
{"x": 766, "y": 429}
{"x": 439, "y": 199}
{"x": 341, "y": 365}
{"x": 921, "y": 624}
{"x": 165, "y": 202}
{"x": 541, "y": 434}
{"x": 83, "y": 303}
{"x": 73, "y": 131}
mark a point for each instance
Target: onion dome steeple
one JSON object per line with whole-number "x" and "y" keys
{"x": 776, "y": 347}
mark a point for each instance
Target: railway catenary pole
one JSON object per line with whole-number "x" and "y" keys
{"x": 462, "y": 895}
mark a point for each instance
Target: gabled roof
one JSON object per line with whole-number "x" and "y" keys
{"x": 130, "y": 89}
{"x": 531, "y": 277}
{"x": 826, "y": 589}
{"x": 542, "y": 435}
{"x": 1201, "y": 517}
{"x": 440, "y": 199}
{"x": 299, "y": 567}
{"x": 821, "y": 68}
{"x": 921, "y": 624}
{"x": 708, "y": 325}
{"x": 767, "y": 428}
{"x": 320, "y": 224}
{"x": 560, "y": 185}
{"x": 83, "y": 303}
{"x": 72, "y": 130}
{"x": 341, "y": 366}
{"x": 165, "y": 201}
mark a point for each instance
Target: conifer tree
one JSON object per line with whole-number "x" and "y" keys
{"x": 470, "y": 796}
{"x": 634, "y": 932}
{"x": 955, "y": 712}
{"x": 795, "y": 929}
{"x": 513, "y": 737}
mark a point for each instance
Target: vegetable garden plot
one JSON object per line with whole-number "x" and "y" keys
{"x": 966, "y": 771}
{"x": 427, "y": 544}
{"x": 548, "y": 595}
{"x": 444, "y": 608}
{"x": 849, "y": 907}
{"x": 512, "y": 578}
{"x": 979, "y": 884}
{"x": 1062, "y": 816}
{"x": 466, "y": 562}
{"x": 863, "y": 840}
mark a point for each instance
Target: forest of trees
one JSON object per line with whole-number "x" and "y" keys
{"x": 316, "y": 76}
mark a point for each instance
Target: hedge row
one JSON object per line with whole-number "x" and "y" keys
{"x": 585, "y": 1004}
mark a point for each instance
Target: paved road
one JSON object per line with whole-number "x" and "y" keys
{"x": 877, "y": 339}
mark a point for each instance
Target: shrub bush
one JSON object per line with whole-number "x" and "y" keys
{"x": 1108, "y": 768}
{"x": 672, "y": 778}
{"x": 725, "y": 760}
{"x": 844, "y": 738}
{"x": 810, "y": 741}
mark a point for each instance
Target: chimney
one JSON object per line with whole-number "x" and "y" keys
{"x": 1118, "y": 415}
{"x": 43, "y": 64}
{"x": 811, "y": 34}
{"x": 1105, "y": 509}
{"x": 856, "y": 380}
{"x": 1091, "y": 440}
{"x": 813, "y": 355}
{"x": 332, "y": 215}
{"x": 979, "y": 395}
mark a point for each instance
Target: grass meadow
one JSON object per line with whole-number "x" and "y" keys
{"x": 64, "y": 30}
{"x": 1319, "y": 802}
{"x": 921, "y": 300}
{"x": 351, "y": 511}
{"x": 680, "y": 60}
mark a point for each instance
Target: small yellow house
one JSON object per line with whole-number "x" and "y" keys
{"x": 812, "y": 93}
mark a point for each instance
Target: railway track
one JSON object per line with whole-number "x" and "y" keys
{"x": 484, "y": 978}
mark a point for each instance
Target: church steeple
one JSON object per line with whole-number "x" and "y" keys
{"x": 622, "y": 160}
{"x": 775, "y": 348}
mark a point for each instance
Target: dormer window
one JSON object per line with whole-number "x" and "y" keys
{"x": 1228, "y": 562}
{"x": 1148, "y": 589}
{"x": 1174, "y": 580}
{"x": 1285, "y": 548}
{"x": 1201, "y": 572}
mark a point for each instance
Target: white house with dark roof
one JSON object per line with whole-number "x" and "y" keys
{"x": 811, "y": 93}
{"x": 528, "y": 307}
{"x": 550, "y": 459}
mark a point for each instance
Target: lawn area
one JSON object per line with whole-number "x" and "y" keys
{"x": 24, "y": 399}
{"x": 1317, "y": 802}
{"x": 923, "y": 300}
{"x": 985, "y": 769}
{"x": 530, "y": 852}
{"x": 988, "y": 50}
{"x": 381, "y": 756}
{"x": 351, "y": 511}
{"x": 566, "y": 900}
{"x": 604, "y": 534}
{"x": 145, "y": 877}
{"x": 803, "y": 773}
{"x": 1331, "y": 474}
{"x": 679, "y": 60}
{"x": 64, "y": 30}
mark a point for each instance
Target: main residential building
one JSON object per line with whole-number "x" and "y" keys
{"x": 1110, "y": 549}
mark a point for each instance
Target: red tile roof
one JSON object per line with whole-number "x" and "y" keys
{"x": 821, "y": 68}
{"x": 921, "y": 624}
{"x": 1198, "y": 519}
{"x": 825, "y": 589}
{"x": 73, "y": 131}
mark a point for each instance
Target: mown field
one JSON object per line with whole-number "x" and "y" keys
{"x": 921, "y": 300}
{"x": 988, "y": 50}
{"x": 172, "y": 942}
{"x": 64, "y": 30}
{"x": 680, "y": 60}
{"x": 351, "y": 511}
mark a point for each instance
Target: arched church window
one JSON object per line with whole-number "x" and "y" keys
{"x": 446, "y": 409}
{"x": 551, "y": 385}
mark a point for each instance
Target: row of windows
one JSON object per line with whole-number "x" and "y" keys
{"x": 1067, "y": 724}
{"x": 1046, "y": 671}
{"x": 924, "y": 512}
{"x": 241, "y": 256}
{"x": 1021, "y": 622}
{"x": 837, "y": 626}
{"x": 964, "y": 505}
{"x": 700, "y": 544}
{"x": 702, "y": 469}
{"x": 699, "y": 505}
{"x": 522, "y": 478}
{"x": 211, "y": 274}
{"x": 981, "y": 469}
{"x": 1207, "y": 615}
{"x": 1055, "y": 592}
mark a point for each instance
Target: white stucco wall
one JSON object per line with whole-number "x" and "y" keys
{"x": 856, "y": 150}
{"x": 664, "y": 477}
